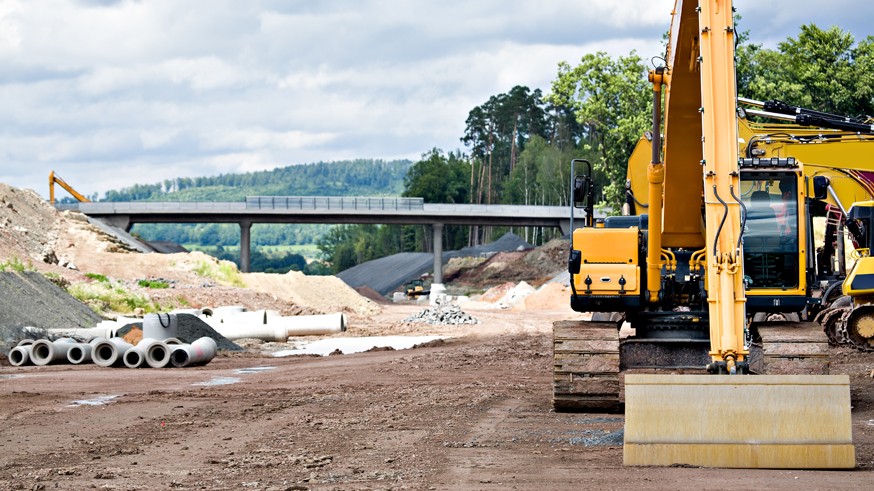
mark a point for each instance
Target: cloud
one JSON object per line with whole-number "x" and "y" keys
{"x": 113, "y": 93}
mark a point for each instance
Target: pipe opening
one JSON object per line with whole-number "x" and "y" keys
{"x": 16, "y": 357}
{"x": 41, "y": 351}
{"x": 179, "y": 358}
{"x": 104, "y": 353}
{"x": 133, "y": 358}
{"x": 76, "y": 354}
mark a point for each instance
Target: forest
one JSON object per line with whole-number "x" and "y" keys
{"x": 517, "y": 148}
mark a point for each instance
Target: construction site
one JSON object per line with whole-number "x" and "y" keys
{"x": 715, "y": 329}
{"x": 409, "y": 395}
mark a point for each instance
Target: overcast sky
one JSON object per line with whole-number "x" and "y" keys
{"x": 113, "y": 93}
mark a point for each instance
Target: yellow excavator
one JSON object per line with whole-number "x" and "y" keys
{"x": 724, "y": 236}
{"x": 53, "y": 178}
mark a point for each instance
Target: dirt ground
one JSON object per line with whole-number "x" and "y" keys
{"x": 471, "y": 412}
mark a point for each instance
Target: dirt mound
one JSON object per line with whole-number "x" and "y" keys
{"x": 29, "y": 226}
{"x": 29, "y": 299}
{"x": 535, "y": 266}
{"x": 367, "y": 292}
{"x": 324, "y": 293}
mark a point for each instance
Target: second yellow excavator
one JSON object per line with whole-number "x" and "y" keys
{"x": 725, "y": 236}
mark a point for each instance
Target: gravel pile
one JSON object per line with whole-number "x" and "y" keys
{"x": 444, "y": 313}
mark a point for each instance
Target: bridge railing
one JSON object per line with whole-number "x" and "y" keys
{"x": 332, "y": 203}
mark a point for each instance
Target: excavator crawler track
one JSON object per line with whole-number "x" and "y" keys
{"x": 789, "y": 348}
{"x": 586, "y": 370}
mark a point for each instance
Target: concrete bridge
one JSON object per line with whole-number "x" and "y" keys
{"x": 334, "y": 210}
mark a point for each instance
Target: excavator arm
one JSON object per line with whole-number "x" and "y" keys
{"x": 57, "y": 179}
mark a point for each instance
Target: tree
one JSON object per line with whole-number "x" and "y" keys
{"x": 821, "y": 69}
{"x": 612, "y": 101}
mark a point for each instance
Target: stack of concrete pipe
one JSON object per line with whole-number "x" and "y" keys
{"x": 159, "y": 348}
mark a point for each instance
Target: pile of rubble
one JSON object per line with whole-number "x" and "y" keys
{"x": 443, "y": 313}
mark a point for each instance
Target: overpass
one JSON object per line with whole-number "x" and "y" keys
{"x": 334, "y": 210}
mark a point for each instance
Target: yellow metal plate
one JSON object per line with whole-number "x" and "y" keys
{"x": 766, "y": 421}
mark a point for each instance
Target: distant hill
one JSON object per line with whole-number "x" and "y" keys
{"x": 359, "y": 177}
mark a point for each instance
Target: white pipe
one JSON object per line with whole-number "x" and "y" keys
{"x": 160, "y": 326}
{"x": 79, "y": 353}
{"x": 20, "y": 355}
{"x": 200, "y": 352}
{"x": 25, "y": 342}
{"x": 84, "y": 333}
{"x": 44, "y": 351}
{"x": 173, "y": 341}
{"x": 134, "y": 358}
{"x": 109, "y": 352}
{"x": 157, "y": 352}
{"x": 280, "y": 328}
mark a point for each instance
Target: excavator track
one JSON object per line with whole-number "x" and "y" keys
{"x": 586, "y": 370}
{"x": 789, "y": 348}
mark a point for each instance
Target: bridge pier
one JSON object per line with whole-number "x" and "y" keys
{"x": 245, "y": 234}
{"x": 437, "y": 235}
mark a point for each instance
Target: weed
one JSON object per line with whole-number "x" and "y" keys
{"x": 157, "y": 284}
{"x": 224, "y": 272}
{"x": 108, "y": 296}
{"x": 57, "y": 279}
{"x": 97, "y": 276}
{"x": 16, "y": 265}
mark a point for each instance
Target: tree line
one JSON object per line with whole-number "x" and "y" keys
{"x": 518, "y": 145}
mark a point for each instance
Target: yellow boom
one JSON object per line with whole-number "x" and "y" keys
{"x": 57, "y": 179}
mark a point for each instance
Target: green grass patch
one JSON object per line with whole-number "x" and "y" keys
{"x": 16, "y": 265}
{"x": 224, "y": 272}
{"x": 153, "y": 284}
{"x": 98, "y": 277}
{"x": 111, "y": 297}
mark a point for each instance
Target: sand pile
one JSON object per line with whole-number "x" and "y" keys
{"x": 551, "y": 296}
{"x": 324, "y": 293}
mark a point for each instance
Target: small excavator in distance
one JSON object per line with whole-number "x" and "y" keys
{"x": 700, "y": 383}
{"x": 57, "y": 179}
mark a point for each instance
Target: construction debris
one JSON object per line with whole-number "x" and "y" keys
{"x": 443, "y": 313}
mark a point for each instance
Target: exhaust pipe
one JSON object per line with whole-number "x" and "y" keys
{"x": 44, "y": 351}
{"x": 79, "y": 353}
{"x": 20, "y": 355}
{"x": 134, "y": 358}
{"x": 109, "y": 352}
{"x": 200, "y": 352}
{"x": 157, "y": 353}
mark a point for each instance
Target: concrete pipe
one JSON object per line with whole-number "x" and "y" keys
{"x": 25, "y": 342}
{"x": 109, "y": 352}
{"x": 134, "y": 358}
{"x": 172, "y": 341}
{"x": 280, "y": 328}
{"x": 160, "y": 326}
{"x": 200, "y": 352}
{"x": 20, "y": 355}
{"x": 79, "y": 353}
{"x": 157, "y": 352}
{"x": 83, "y": 333}
{"x": 312, "y": 325}
{"x": 44, "y": 351}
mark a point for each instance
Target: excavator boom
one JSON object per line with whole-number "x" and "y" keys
{"x": 57, "y": 179}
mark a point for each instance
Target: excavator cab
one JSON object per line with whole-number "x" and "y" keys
{"x": 774, "y": 235}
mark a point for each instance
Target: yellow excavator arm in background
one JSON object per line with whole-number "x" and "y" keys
{"x": 57, "y": 179}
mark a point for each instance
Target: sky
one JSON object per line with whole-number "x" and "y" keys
{"x": 111, "y": 93}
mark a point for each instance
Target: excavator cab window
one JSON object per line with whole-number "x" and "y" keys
{"x": 770, "y": 236}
